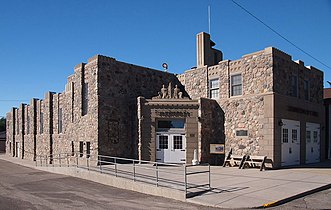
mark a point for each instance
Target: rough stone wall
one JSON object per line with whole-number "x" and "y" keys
{"x": 195, "y": 82}
{"x": 284, "y": 68}
{"x": 30, "y": 130}
{"x": 245, "y": 112}
{"x": 9, "y": 132}
{"x": 119, "y": 84}
{"x": 211, "y": 130}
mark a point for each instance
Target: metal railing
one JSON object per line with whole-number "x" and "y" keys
{"x": 176, "y": 176}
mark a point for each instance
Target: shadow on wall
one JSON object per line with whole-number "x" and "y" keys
{"x": 212, "y": 130}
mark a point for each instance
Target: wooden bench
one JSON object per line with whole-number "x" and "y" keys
{"x": 234, "y": 160}
{"x": 255, "y": 161}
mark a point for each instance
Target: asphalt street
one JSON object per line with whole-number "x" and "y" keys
{"x": 26, "y": 188}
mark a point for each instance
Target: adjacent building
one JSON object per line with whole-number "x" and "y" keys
{"x": 327, "y": 103}
{"x": 2, "y": 141}
{"x": 261, "y": 104}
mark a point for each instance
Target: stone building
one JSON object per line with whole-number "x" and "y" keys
{"x": 273, "y": 106}
{"x": 261, "y": 104}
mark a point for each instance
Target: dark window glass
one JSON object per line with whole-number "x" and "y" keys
{"x": 72, "y": 148}
{"x": 306, "y": 89}
{"x": 81, "y": 149}
{"x": 163, "y": 142}
{"x": 166, "y": 124}
{"x": 178, "y": 142}
{"x": 88, "y": 147}
{"x": 85, "y": 99}
{"x": 60, "y": 121}
{"x": 41, "y": 122}
{"x": 236, "y": 85}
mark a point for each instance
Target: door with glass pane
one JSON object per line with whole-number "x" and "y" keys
{"x": 170, "y": 148}
{"x": 312, "y": 143}
{"x": 290, "y": 142}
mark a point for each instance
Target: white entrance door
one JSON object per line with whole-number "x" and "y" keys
{"x": 170, "y": 148}
{"x": 312, "y": 143}
{"x": 290, "y": 141}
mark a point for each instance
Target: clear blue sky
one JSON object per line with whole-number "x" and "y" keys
{"x": 42, "y": 40}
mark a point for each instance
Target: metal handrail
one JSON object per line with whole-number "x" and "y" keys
{"x": 137, "y": 170}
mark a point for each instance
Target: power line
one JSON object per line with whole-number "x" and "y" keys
{"x": 273, "y": 30}
{"x": 8, "y": 100}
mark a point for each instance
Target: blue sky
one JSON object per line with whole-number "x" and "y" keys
{"x": 42, "y": 40}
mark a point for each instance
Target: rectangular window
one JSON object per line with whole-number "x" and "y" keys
{"x": 41, "y": 120}
{"x": 88, "y": 148}
{"x": 163, "y": 142}
{"x": 167, "y": 124}
{"x": 60, "y": 121}
{"x": 72, "y": 148}
{"x": 214, "y": 88}
{"x": 85, "y": 99}
{"x": 294, "y": 86}
{"x": 81, "y": 149}
{"x": 315, "y": 136}
{"x": 306, "y": 89}
{"x": 294, "y": 135}
{"x": 285, "y": 135}
{"x": 308, "y": 136}
{"x": 178, "y": 142}
{"x": 236, "y": 85}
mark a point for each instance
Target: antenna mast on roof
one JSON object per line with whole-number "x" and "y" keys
{"x": 209, "y": 19}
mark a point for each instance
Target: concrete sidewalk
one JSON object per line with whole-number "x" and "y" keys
{"x": 247, "y": 188}
{"x": 250, "y": 188}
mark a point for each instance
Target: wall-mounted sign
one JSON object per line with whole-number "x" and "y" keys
{"x": 217, "y": 149}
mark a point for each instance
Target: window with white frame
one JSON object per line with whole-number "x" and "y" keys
{"x": 236, "y": 85}
{"x": 214, "y": 88}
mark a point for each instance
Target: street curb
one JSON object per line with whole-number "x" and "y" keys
{"x": 286, "y": 200}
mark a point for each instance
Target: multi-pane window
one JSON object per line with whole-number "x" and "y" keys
{"x": 163, "y": 142}
{"x": 60, "y": 121}
{"x": 315, "y": 136}
{"x": 294, "y": 86}
{"x": 85, "y": 99}
{"x": 214, "y": 88}
{"x": 236, "y": 85}
{"x": 294, "y": 135}
{"x": 285, "y": 135}
{"x": 308, "y": 136}
{"x": 178, "y": 142}
{"x": 306, "y": 89}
